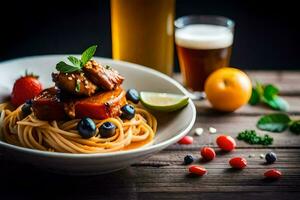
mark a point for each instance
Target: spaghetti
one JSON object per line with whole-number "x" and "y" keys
{"x": 62, "y": 136}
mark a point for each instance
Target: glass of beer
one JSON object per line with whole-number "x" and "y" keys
{"x": 203, "y": 45}
{"x": 143, "y": 32}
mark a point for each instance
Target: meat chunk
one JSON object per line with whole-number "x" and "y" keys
{"x": 48, "y": 105}
{"x": 74, "y": 83}
{"x": 104, "y": 77}
{"x": 102, "y": 105}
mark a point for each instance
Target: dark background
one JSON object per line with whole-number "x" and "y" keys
{"x": 266, "y": 35}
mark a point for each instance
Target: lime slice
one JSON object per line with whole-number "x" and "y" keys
{"x": 163, "y": 101}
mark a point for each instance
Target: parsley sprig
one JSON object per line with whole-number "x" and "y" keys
{"x": 251, "y": 137}
{"x": 268, "y": 94}
{"x": 76, "y": 64}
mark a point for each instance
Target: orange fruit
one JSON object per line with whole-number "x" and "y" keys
{"x": 227, "y": 89}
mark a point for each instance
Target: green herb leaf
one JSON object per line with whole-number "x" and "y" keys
{"x": 270, "y": 91}
{"x": 276, "y": 122}
{"x": 255, "y": 97}
{"x": 75, "y": 61}
{"x": 268, "y": 94}
{"x": 108, "y": 67}
{"x": 88, "y": 54}
{"x": 277, "y": 103}
{"x": 65, "y": 68}
{"x": 295, "y": 127}
{"x": 77, "y": 88}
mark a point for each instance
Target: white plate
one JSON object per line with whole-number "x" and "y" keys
{"x": 171, "y": 127}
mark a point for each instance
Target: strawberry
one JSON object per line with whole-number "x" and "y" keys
{"x": 25, "y": 88}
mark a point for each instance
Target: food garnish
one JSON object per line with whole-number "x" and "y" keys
{"x": 226, "y": 143}
{"x": 186, "y": 140}
{"x": 25, "y": 88}
{"x": 26, "y": 109}
{"x": 199, "y": 131}
{"x": 251, "y": 137}
{"x": 272, "y": 174}
{"x": 208, "y": 153}
{"x": 188, "y": 159}
{"x": 76, "y": 64}
{"x": 271, "y": 157}
{"x": 212, "y": 130}
{"x": 107, "y": 129}
{"x": 295, "y": 126}
{"x": 86, "y": 128}
{"x": 238, "y": 162}
{"x": 278, "y": 122}
{"x": 197, "y": 170}
{"x": 128, "y": 112}
{"x": 165, "y": 102}
{"x": 133, "y": 96}
{"x": 268, "y": 94}
{"x": 261, "y": 156}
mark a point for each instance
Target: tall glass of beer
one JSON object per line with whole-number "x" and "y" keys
{"x": 143, "y": 32}
{"x": 203, "y": 45}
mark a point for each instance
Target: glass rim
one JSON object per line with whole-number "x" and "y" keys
{"x": 179, "y": 22}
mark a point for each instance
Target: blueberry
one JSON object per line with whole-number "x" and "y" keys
{"x": 128, "y": 112}
{"x": 28, "y": 101}
{"x": 26, "y": 109}
{"x": 188, "y": 159}
{"x": 271, "y": 157}
{"x": 133, "y": 95}
{"x": 86, "y": 127}
{"x": 107, "y": 130}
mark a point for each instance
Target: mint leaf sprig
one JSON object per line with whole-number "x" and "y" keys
{"x": 268, "y": 94}
{"x": 278, "y": 122}
{"x": 76, "y": 64}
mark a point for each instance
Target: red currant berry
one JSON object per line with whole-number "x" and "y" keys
{"x": 238, "y": 163}
{"x": 208, "y": 153}
{"x": 186, "y": 140}
{"x": 226, "y": 143}
{"x": 198, "y": 170}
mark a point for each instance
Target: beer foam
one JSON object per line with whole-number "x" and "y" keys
{"x": 204, "y": 36}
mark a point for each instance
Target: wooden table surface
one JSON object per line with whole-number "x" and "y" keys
{"x": 163, "y": 176}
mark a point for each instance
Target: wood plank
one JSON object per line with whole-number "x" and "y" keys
{"x": 232, "y": 124}
{"x": 287, "y": 81}
{"x": 216, "y": 196}
{"x": 204, "y": 107}
{"x": 169, "y": 158}
{"x": 140, "y": 180}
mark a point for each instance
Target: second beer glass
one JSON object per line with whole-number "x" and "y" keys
{"x": 203, "y": 45}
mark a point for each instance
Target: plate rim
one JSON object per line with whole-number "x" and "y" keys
{"x": 150, "y": 148}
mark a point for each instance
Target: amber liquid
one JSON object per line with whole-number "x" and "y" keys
{"x": 197, "y": 64}
{"x": 142, "y": 32}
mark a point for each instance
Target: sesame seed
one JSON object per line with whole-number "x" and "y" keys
{"x": 212, "y": 130}
{"x": 198, "y": 131}
{"x": 262, "y": 156}
{"x": 73, "y": 75}
{"x": 69, "y": 78}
